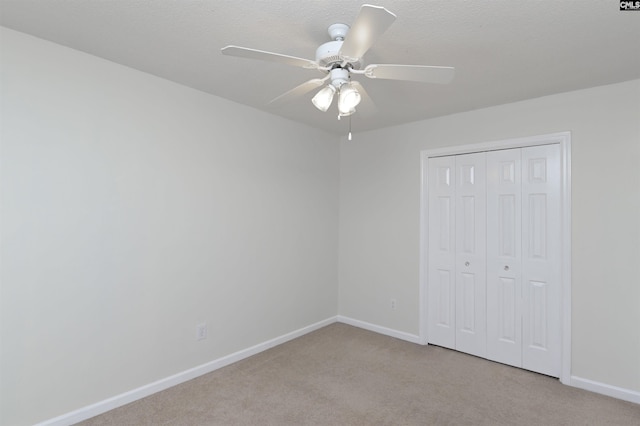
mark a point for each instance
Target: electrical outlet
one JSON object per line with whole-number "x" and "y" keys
{"x": 201, "y": 331}
{"x": 394, "y": 304}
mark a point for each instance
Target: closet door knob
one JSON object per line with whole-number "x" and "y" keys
{"x": 506, "y": 267}
{"x": 466, "y": 264}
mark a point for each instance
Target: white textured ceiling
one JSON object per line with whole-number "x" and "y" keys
{"x": 503, "y": 50}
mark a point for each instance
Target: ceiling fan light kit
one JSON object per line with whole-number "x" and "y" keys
{"x": 322, "y": 100}
{"x": 348, "y": 97}
{"x": 341, "y": 58}
{"x": 348, "y": 100}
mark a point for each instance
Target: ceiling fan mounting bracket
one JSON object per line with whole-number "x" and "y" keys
{"x": 338, "y": 32}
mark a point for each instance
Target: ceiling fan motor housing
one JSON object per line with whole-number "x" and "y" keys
{"x": 328, "y": 54}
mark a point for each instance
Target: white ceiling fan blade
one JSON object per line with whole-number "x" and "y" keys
{"x": 298, "y": 91}
{"x": 367, "y": 107}
{"x": 245, "y": 52}
{"x": 370, "y": 23}
{"x": 421, "y": 73}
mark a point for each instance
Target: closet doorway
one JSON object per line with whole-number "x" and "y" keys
{"x": 495, "y": 251}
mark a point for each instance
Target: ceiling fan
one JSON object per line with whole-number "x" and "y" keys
{"x": 341, "y": 58}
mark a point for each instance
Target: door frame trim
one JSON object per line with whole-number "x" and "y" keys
{"x": 564, "y": 140}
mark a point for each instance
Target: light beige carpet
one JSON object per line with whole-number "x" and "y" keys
{"x": 342, "y": 375}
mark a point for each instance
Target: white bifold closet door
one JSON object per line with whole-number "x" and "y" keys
{"x": 457, "y": 247}
{"x": 441, "y": 309}
{"x": 470, "y": 273}
{"x": 523, "y": 258}
{"x": 494, "y": 256}
{"x": 504, "y": 257}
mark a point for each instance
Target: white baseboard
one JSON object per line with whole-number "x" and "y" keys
{"x": 162, "y": 384}
{"x": 604, "y": 389}
{"x": 381, "y": 330}
{"x": 578, "y": 382}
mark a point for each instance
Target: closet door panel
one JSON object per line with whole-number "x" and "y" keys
{"x": 441, "y": 289}
{"x": 470, "y": 231}
{"x": 541, "y": 259}
{"x": 504, "y": 257}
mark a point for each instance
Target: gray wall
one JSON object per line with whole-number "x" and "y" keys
{"x": 380, "y": 207}
{"x": 134, "y": 208}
